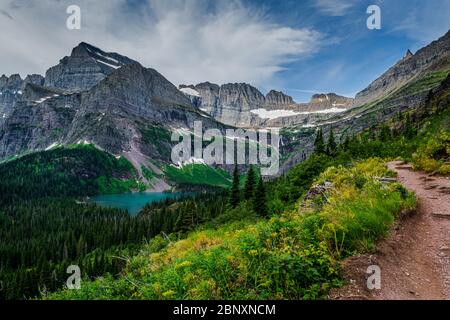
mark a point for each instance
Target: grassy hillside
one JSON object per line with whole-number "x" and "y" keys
{"x": 192, "y": 175}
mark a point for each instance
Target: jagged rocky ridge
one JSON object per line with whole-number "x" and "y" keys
{"x": 11, "y": 89}
{"x": 435, "y": 56}
{"x": 242, "y": 105}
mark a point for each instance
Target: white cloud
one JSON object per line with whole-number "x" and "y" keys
{"x": 334, "y": 7}
{"x": 187, "y": 41}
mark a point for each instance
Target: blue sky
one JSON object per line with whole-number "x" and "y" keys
{"x": 297, "y": 46}
{"x": 351, "y": 55}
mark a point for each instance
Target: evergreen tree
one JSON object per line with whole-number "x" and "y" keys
{"x": 186, "y": 221}
{"x": 409, "y": 130}
{"x": 331, "y": 146}
{"x": 259, "y": 201}
{"x": 372, "y": 133}
{"x": 346, "y": 144}
{"x": 319, "y": 143}
{"x": 385, "y": 133}
{"x": 235, "y": 192}
{"x": 250, "y": 184}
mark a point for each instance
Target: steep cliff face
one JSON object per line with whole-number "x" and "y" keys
{"x": 36, "y": 79}
{"x": 236, "y": 101}
{"x": 11, "y": 89}
{"x": 230, "y": 103}
{"x": 276, "y": 99}
{"x": 40, "y": 117}
{"x": 85, "y": 67}
{"x": 209, "y": 96}
{"x": 435, "y": 56}
{"x": 242, "y": 105}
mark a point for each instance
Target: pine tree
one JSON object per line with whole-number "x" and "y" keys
{"x": 372, "y": 133}
{"x": 185, "y": 221}
{"x": 346, "y": 144}
{"x": 235, "y": 192}
{"x": 250, "y": 184}
{"x": 385, "y": 133}
{"x": 319, "y": 143}
{"x": 331, "y": 147}
{"x": 409, "y": 130}
{"x": 259, "y": 201}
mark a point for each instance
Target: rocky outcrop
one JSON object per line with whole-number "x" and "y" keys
{"x": 11, "y": 89}
{"x": 236, "y": 100}
{"x": 277, "y": 99}
{"x": 230, "y": 103}
{"x": 36, "y": 79}
{"x": 324, "y": 101}
{"x": 432, "y": 57}
{"x": 39, "y": 118}
{"x": 84, "y": 68}
{"x": 192, "y": 94}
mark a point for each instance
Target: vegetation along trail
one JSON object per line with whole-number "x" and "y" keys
{"x": 415, "y": 260}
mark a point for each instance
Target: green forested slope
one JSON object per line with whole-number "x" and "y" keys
{"x": 77, "y": 170}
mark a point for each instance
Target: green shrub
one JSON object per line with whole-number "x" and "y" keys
{"x": 434, "y": 156}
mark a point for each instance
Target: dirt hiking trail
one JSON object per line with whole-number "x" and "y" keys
{"x": 415, "y": 259}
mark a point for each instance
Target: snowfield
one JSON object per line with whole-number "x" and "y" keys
{"x": 190, "y": 91}
{"x": 275, "y": 114}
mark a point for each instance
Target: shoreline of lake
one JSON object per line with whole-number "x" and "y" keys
{"x": 132, "y": 202}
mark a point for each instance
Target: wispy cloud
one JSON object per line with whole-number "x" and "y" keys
{"x": 334, "y": 7}
{"x": 423, "y": 23}
{"x": 187, "y": 41}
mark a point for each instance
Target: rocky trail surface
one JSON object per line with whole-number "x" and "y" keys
{"x": 415, "y": 259}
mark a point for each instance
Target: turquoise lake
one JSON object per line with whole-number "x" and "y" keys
{"x": 132, "y": 202}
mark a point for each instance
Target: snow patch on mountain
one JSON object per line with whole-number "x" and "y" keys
{"x": 190, "y": 92}
{"x": 330, "y": 110}
{"x": 191, "y": 160}
{"x": 107, "y": 64}
{"x": 273, "y": 114}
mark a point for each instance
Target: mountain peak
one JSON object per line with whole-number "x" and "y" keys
{"x": 85, "y": 67}
{"x": 278, "y": 98}
{"x": 408, "y": 54}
